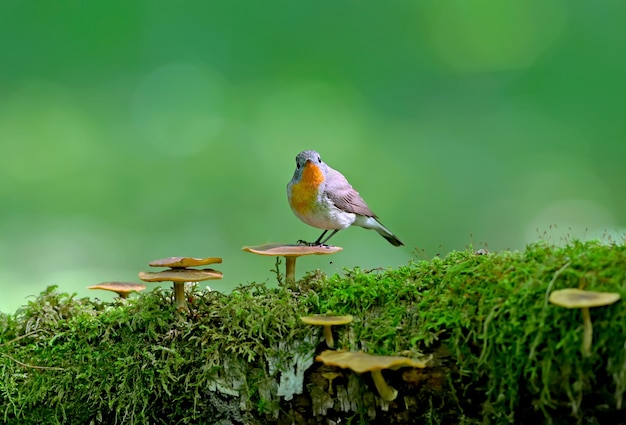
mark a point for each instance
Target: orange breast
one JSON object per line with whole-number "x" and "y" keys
{"x": 304, "y": 193}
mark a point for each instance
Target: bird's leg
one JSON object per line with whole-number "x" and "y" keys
{"x": 317, "y": 242}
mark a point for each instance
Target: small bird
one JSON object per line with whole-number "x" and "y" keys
{"x": 322, "y": 197}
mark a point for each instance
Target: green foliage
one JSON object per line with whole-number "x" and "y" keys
{"x": 492, "y": 312}
{"x": 513, "y": 355}
{"x": 134, "y": 361}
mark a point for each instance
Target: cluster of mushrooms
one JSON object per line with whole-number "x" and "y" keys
{"x": 180, "y": 270}
{"x": 357, "y": 361}
{"x": 361, "y": 362}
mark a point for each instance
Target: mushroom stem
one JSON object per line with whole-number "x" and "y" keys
{"x": 290, "y": 268}
{"x": 330, "y": 376}
{"x": 328, "y": 336}
{"x": 179, "y": 296}
{"x": 587, "y": 332}
{"x": 386, "y": 392}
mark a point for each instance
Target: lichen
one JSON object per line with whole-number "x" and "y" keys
{"x": 291, "y": 368}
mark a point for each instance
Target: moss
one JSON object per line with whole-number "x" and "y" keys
{"x": 501, "y": 353}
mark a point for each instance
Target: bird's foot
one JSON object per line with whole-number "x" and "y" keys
{"x": 302, "y": 242}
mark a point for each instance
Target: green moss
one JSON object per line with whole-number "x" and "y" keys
{"x": 510, "y": 354}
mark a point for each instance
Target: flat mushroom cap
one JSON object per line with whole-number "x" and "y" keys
{"x": 361, "y": 362}
{"x": 330, "y": 375}
{"x": 180, "y": 275}
{"x": 120, "y": 287}
{"x": 280, "y": 250}
{"x": 579, "y": 298}
{"x": 176, "y": 262}
{"x": 321, "y": 319}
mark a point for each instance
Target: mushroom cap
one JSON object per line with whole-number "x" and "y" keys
{"x": 361, "y": 362}
{"x": 119, "y": 287}
{"x": 180, "y": 275}
{"x": 321, "y": 319}
{"x": 176, "y": 262}
{"x": 579, "y": 298}
{"x": 330, "y": 375}
{"x": 281, "y": 250}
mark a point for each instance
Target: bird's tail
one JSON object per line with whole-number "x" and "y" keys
{"x": 391, "y": 238}
{"x": 385, "y": 233}
{"x": 372, "y": 223}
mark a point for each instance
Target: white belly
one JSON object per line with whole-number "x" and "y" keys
{"x": 327, "y": 217}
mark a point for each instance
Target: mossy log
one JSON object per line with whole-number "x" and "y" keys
{"x": 497, "y": 351}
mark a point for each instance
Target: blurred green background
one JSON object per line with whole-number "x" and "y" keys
{"x": 136, "y": 130}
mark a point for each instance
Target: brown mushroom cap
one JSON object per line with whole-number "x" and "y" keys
{"x": 121, "y": 288}
{"x": 327, "y": 322}
{"x": 579, "y": 298}
{"x": 180, "y": 275}
{"x": 361, "y": 362}
{"x": 281, "y": 250}
{"x": 176, "y": 262}
{"x": 321, "y": 319}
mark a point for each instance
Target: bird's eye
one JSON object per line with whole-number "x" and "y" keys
{"x": 297, "y": 165}
{"x": 319, "y": 159}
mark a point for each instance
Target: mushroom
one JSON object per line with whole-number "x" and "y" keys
{"x": 180, "y": 262}
{"x": 291, "y": 253}
{"x": 579, "y": 298}
{"x": 178, "y": 273}
{"x": 361, "y": 362}
{"x": 330, "y": 376}
{"x": 122, "y": 289}
{"x": 327, "y": 322}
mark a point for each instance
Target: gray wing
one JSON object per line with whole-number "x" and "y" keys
{"x": 341, "y": 193}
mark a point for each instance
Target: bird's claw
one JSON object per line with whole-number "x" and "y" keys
{"x": 303, "y": 242}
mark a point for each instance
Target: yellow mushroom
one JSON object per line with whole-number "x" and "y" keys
{"x": 579, "y": 298}
{"x": 330, "y": 376}
{"x": 327, "y": 322}
{"x": 181, "y": 262}
{"x": 361, "y": 362}
{"x": 178, "y": 274}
